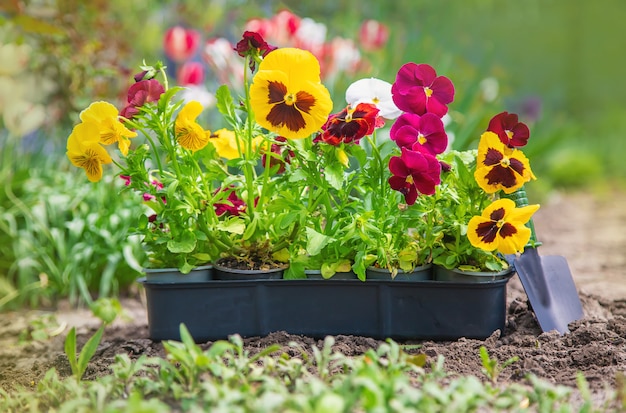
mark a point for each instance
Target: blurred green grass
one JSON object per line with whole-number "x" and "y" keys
{"x": 566, "y": 54}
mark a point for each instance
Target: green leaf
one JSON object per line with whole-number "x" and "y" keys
{"x": 186, "y": 268}
{"x": 106, "y": 309}
{"x": 281, "y": 255}
{"x": 316, "y": 241}
{"x": 233, "y": 226}
{"x": 88, "y": 351}
{"x": 297, "y": 175}
{"x": 70, "y": 350}
{"x": 250, "y": 229}
{"x": 287, "y": 219}
{"x": 187, "y": 339}
{"x": 166, "y": 97}
{"x": 226, "y": 105}
{"x": 183, "y": 244}
{"x": 202, "y": 257}
{"x": 334, "y": 174}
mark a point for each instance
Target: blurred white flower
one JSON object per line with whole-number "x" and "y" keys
{"x": 198, "y": 93}
{"x": 311, "y": 35}
{"x": 344, "y": 57}
{"x": 374, "y": 91}
{"x": 14, "y": 58}
{"x": 22, "y": 117}
{"x": 219, "y": 54}
{"x": 489, "y": 88}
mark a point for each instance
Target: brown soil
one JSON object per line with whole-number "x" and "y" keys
{"x": 586, "y": 229}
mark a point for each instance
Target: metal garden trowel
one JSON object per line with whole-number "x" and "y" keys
{"x": 547, "y": 281}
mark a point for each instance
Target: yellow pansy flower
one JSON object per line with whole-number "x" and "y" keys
{"x": 287, "y": 95}
{"x": 189, "y": 134}
{"x": 105, "y": 116}
{"x": 499, "y": 167}
{"x": 225, "y": 143}
{"x": 501, "y": 227}
{"x": 85, "y": 151}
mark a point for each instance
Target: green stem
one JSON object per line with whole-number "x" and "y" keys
{"x": 164, "y": 74}
{"x": 248, "y": 168}
{"x": 154, "y": 147}
{"x": 371, "y": 139}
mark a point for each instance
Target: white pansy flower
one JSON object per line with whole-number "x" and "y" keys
{"x": 374, "y": 91}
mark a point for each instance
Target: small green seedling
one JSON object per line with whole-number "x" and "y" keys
{"x": 79, "y": 364}
{"x": 491, "y": 367}
{"x": 107, "y": 310}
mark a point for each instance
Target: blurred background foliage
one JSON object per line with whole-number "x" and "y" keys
{"x": 557, "y": 63}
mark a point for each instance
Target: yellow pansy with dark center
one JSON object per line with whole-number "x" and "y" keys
{"x": 288, "y": 108}
{"x": 488, "y": 230}
{"x": 501, "y": 227}
{"x": 499, "y": 167}
{"x": 287, "y": 96}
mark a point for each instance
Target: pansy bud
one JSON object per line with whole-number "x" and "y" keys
{"x": 342, "y": 157}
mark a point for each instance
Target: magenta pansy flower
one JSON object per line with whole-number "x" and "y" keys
{"x": 426, "y": 131}
{"x": 414, "y": 173}
{"x": 509, "y": 129}
{"x": 419, "y": 90}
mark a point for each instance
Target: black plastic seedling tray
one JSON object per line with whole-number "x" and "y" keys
{"x": 399, "y": 310}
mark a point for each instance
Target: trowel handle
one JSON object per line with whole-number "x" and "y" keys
{"x": 521, "y": 200}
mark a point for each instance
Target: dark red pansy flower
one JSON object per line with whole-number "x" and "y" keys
{"x": 419, "y": 90}
{"x": 350, "y": 125}
{"x": 252, "y": 44}
{"x": 426, "y": 131}
{"x": 141, "y": 93}
{"x": 414, "y": 173}
{"x": 509, "y": 129}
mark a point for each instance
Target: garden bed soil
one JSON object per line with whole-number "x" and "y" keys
{"x": 587, "y": 230}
